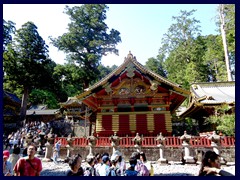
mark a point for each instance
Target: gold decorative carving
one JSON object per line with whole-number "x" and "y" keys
{"x": 130, "y": 72}
{"x": 154, "y": 85}
{"x": 124, "y": 91}
{"x": 140, "y": 89}
{"x": 108, "y": 89}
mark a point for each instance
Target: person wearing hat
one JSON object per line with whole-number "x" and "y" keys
{"x": 121, "y": 163}
{"x": 7, "y": 166}
{"x": 104, "y": 170}
{"x": 114, "y": 170}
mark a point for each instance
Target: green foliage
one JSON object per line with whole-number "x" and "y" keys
{"x": 26, "y": 59}
{"x": 26, "y": 62}
{"x": 70, "y": 78}
{"x": 105, "y": 70}
{"x": 214, "y": 58}
{"x": 156, "y": 65}
{"x": 184, "y": 51}
{"x": 188, "y": 57}
{"x": 38, "y": 96}
{"x": 223, "y": 121}
{"x": 87, "y": 40}
{"x": 8, "y": 30}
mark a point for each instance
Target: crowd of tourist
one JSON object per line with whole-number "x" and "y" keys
{"x": 33, "y": 129}
{"x": 99, "y": 165}
{"x": 25, "y": 163}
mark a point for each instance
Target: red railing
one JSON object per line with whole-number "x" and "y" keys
{"x": 170, "y": 141}
{"x": 200, "y": 142}
{"x": 228, "y": 141}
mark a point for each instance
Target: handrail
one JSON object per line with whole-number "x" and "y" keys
{"x": 170, "y": 141}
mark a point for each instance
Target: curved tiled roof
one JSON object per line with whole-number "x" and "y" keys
{"x": 210, "y": 94}
{"x": 214, "y": 93}
{"x": 11, "y": 96}
{"x": 71, "y": 100}
{"x": 43, "y": 112}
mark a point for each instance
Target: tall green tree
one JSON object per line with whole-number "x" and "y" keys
{"x": 214, "y": 59}
{"x": 183, "y": 50}
{"x": 26, "y": 62}
{"x": 88, "y": 39}
{"x": 8, "y": 31}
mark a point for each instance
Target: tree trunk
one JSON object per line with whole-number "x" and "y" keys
{"x": 24, "y": 104}
{"x": 223, "y": 32}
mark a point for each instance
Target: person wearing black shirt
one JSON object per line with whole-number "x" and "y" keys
{"x": 75, "y": 165}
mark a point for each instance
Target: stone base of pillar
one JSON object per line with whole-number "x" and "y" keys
{"x": 39, "y": 156}
{"x": 189, "y": 160}
{"x": 199, "y": 162}
{"x": 46, "y": 160}
{"x": 222, "y": 161}
{"x": 162, "y": 161}
{"x": 90, "y": 156}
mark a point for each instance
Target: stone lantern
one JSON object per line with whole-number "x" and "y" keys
{"x": 138, "y": 142}
{"x": 42, "y": 139}
{"x": 186, "y": 138}
{"x": 69, "y": 145}
{"x": 114, "y": 141}
{"x": 39, "y": 149}
{"x": 161, "y": 140}
{"x": 91, "y": 143}
{"x": 49, "y": 146}
{"x": 29, "y": 139}
{"x": 51, "y": 137}
{"x": 215, "y": 143}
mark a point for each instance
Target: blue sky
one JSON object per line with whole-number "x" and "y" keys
{"x": 141, "y": 25}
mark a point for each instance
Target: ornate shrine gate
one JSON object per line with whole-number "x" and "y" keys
{"x": 133, "y": 99}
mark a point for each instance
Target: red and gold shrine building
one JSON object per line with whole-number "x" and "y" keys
{"x": 133, "y": 99}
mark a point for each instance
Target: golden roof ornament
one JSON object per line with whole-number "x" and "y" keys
{"x": 130, "y": 56}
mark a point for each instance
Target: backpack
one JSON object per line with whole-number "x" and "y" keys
{"x": 89, "y": 171}
{"x": 143, "y": 170}
{"x": 130, "y": 173}
{"x": 114, "y": 171}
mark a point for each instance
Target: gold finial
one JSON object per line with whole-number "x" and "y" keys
{"x": 130, "y": 55}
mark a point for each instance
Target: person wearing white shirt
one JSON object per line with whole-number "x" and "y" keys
{"x": 105, "y": 168}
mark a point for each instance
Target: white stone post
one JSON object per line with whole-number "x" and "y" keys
{"x": 215, "y": 142}
{"x": 91, "y": 142}
{"x": 138, "y": 142}
{"x": 114, "y": 141}
{"x": 161, "y": 139}
{"x": 48, "y": 152}
{"x": 185, "y": 137}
